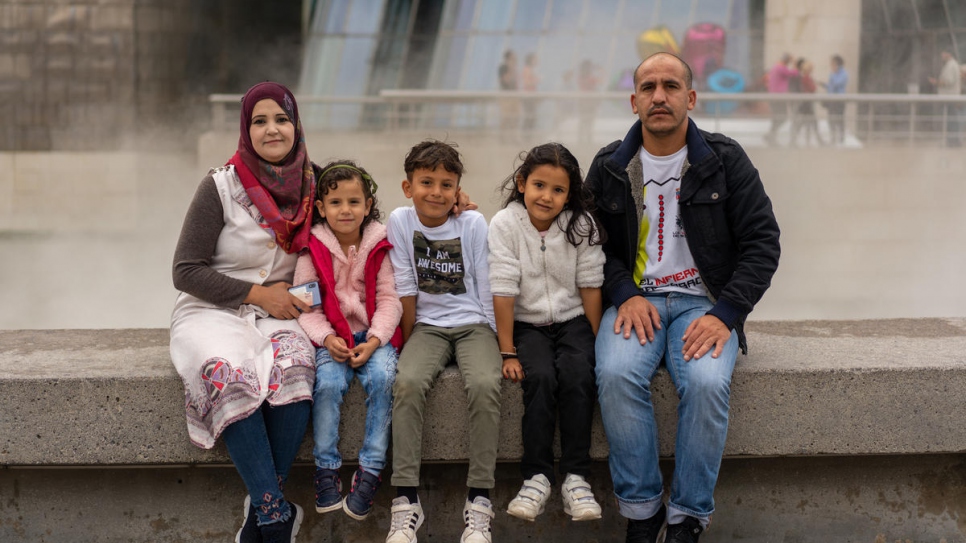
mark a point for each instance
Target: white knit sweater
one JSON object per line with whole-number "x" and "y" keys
{"x": 545, "y": 282}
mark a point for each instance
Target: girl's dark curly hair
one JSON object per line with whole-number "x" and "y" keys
{"x": 328, "y": 178}
{"x": 579, "y": 200}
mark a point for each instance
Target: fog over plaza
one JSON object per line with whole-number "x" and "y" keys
{"x": 872, "y": 229}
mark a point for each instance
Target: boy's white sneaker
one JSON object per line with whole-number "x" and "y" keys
{"x": 578, "y": 499}
{"x": 532, "y": 498}
{"x": 477, "y": 516}
{"x": 406, "y": 519}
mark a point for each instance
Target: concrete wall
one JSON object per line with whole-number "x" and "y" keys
{"x": 879, "y": 499}
{"x": 846, "y": 431}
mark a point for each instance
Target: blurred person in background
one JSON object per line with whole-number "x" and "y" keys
{"x": 779, "y": 78}
{"x": 837, "y": 81}
{"x": 529, "y": 80}
{"x": 805, "y": 112}
{"x": 949, "y": 83}
{"x": 509, "y": 107}
{"x": 588, "y": 80}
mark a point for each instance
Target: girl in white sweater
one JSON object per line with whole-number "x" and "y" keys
{"x": 546, "y": 269}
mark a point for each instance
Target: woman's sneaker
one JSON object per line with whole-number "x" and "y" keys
{"x": 406, "y": 519}
{"x": 285, "y": 531}
{"x": 578, "y": 499}
{"x": 249, "y": 532}
{"x": 477, "y": 516}
{"x": 328, "y": 490}
{"x": 532, "y": 498}
{"x": 358, "y": 502}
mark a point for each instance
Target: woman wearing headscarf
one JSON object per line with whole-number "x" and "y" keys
{"x": 247, "y": 367}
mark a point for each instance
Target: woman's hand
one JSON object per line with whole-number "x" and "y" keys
{"x": 337, "y": 348}
{"x": 277, "y": 300}
{"x": 362, "y": 352}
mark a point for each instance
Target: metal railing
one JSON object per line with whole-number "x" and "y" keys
{"x": 907, "y": 118}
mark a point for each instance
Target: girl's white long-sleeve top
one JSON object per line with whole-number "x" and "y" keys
{"x": 544, "y": 274}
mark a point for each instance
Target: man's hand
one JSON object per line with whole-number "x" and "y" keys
{"x": 640, "y": 315}
{"x": 702, "y": 334}
{"x": 337, "y": 348}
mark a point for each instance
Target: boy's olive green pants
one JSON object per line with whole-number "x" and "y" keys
{"x": 424, "y": 356}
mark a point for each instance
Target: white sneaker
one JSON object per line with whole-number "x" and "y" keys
{"x": 406, "y": 519}
{"x": 532, "y": 498}
{"x": 578, "y": 499}
{"x": 477, "y": 516}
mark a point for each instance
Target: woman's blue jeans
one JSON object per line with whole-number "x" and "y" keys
{"x": 625, "y": 369}
{"x": 332, "y": 380}
{"x": 263, "y": 447}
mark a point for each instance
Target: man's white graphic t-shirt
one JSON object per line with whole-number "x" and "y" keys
{"x": 445, "y": 267}
{"x": 664, "y": 262}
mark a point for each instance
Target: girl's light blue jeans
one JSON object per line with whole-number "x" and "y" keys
{"x": 332, "y": 380}
{"x": 625, "y": 369}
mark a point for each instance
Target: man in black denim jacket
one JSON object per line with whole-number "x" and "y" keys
{"x": 683, "y": 297}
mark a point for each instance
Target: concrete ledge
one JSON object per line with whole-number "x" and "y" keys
{"x": 807, "y": 388}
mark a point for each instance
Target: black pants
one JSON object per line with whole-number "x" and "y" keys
{"x": 558, "y": 361}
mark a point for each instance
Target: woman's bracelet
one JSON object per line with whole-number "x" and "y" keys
{"x": 507, "y": 356}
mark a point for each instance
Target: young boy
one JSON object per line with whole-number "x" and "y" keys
{"x": 442, "y": 278}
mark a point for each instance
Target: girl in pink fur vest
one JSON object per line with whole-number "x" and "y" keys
{"x": 355, "y": 329}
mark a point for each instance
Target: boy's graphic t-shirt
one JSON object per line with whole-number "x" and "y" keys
{"x": 445, "y": 267}
{"x": 439, "y": 265}
{"x": 664, "y": 261}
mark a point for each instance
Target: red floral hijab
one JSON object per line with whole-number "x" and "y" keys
{"x": 281, "y": 191}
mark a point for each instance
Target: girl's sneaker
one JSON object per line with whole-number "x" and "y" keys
{"x": 328, "y": 490}
{"x": 358, "y": 502}
{"x": 249, "y": 532}
{"x": 532, "y": 498}
{"x": 578, "y": 499}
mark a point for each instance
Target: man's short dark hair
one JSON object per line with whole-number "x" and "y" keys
{"x": 430, "y": 154}
{"x": 688, "y": 76}
{"x": 838, "y": 60}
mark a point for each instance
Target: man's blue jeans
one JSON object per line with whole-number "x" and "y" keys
{"x": 332, "y": 380}
{"x": 263, "y": 447}
{"x": 625, "y": 369}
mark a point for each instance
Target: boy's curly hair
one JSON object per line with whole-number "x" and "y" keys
{"x": 430, "y": 154}
{"x": 328, "y": 178}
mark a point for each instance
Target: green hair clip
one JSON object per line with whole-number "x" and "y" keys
{"x": 373, "y": 187}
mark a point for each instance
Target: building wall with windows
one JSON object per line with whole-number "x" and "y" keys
{"x": 460, "y": 44}
{"x": 100, "y": 74}
{"x": 89, "y": 74}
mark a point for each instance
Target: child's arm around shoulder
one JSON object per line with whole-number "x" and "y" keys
{"x": 399, "y": 232}
{"x": 504, "y": 255}
{"x": 475, "y": 232}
